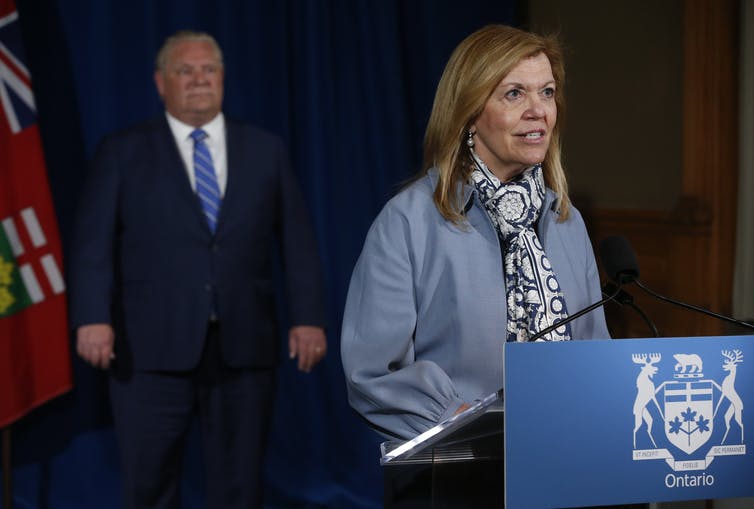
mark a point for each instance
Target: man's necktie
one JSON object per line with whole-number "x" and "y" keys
{"x": 207, "y": 187}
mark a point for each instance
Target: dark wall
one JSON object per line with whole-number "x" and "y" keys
{"x": 624, "y": 91}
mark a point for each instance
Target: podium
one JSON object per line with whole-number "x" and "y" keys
{"x": 591, "y": 424}
{"x": 457, "y": 464}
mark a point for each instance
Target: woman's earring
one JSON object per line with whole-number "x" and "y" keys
{"x": 470, "y": 140}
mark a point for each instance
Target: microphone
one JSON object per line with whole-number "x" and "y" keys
{"x": 574, "y": 316}
{"x": 620, "y": 264}
{"x": 619, "y": 260}
{"x": 625, "y": 298}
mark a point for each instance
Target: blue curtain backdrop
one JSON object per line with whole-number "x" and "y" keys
{"x": 349, "y": 85}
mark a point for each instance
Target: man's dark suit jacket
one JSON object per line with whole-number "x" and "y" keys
{"x": 144, "y": 259}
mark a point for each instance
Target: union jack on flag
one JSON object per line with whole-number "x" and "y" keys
{"x": 16, "y": 95}
{"x": 34, "y": 356}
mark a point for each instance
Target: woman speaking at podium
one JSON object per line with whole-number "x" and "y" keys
{"x": 483, "y": 247}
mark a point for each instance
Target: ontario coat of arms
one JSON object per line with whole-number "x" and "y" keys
{"x": 701, "y": 417}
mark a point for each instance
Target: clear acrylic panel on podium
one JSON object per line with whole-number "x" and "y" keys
{"x": 483, "y": 418}
{"x": 456, "y": 464}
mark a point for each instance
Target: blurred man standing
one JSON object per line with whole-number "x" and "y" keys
{"x": 172, "y": 285}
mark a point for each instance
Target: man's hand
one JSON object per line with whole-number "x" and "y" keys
{"x": 94, "y": 343}
{"x": 309, "y": 344}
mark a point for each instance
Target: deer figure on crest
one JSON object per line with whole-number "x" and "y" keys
{"x": 645, "y": 392}
{"x": 729, "y": 392}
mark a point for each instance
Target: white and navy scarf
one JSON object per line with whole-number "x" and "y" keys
{"x": 534, "y": 298}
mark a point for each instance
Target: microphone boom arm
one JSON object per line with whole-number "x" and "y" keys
{"x": 692, "y": 307}
{"x": 574, "y": 316}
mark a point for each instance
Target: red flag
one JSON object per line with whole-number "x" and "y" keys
{"x": 34, "y": 355}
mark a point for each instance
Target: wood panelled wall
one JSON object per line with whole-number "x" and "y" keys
{"x": 688, "y": 252}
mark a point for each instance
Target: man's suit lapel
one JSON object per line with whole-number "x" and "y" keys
{"x": 235, "y": 150}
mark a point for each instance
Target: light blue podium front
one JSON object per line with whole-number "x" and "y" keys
{"x": 627, "y": 421}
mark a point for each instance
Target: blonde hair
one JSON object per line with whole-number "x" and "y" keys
{"x": 161, "y": 60}
{"x": 474, "y": 70}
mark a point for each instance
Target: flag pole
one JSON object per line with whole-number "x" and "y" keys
{"x": 7, "y": 489}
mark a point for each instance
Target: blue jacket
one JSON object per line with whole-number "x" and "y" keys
{"x": 145, "y": 261}
{"x": 424, "y": 323}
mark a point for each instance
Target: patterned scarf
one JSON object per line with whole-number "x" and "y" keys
{"x": 534, "y": 298}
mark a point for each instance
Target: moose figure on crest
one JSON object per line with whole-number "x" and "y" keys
{"x": 645, "y": 392}
{"x": 729, "y": 392}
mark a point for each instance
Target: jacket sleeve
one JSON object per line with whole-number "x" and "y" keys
{"x": 91, "y": 266}
{"x": 399, "y": 394}
{"x": 298, "y": 247}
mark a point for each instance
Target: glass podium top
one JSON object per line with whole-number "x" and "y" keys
{"x": 449, "y": 439}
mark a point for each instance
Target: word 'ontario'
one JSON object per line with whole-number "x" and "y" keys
{"x": 689, "y": 481}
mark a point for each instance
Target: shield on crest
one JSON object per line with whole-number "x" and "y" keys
{"x": 688, "y": 414}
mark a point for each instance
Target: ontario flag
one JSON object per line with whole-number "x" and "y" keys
{"x": 34, "y": 353}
